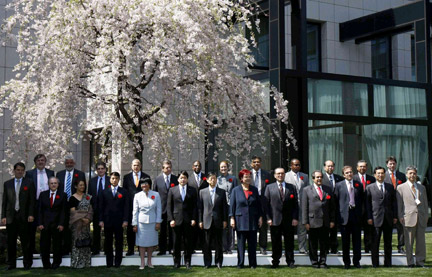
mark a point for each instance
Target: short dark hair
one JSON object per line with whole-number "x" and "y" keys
{"x": 115, "y": 174}
{"x": 255, "y": 157}
{"x": 101, "y": 163}
{"x": 346, "y": 167}
{"x": 294, "y": 159}
{"x": 316, "y": 171}
{"x": 391, "y": 158}
{"x": 211, "y": 173}
{"x": 378, "y": 168}
{"x": 20, "y": 164}
{"x": 184, "y": 172}
{"x": 38, "y": 156}
{"x": 76, "y": 182}
{"x": 362, "y": 161}
{"x": 334, "y": 164}
{"x": 145, "y": 180}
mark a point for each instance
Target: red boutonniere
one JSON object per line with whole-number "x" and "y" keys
{"x": 57, "y": 196}
{"x": 120, "y": 196}
{"x": 25, "y": 188}
{"x": 328, "y": 197}
{"x": 76, "y": 175}
{"x": 368, "y": 182}
{"x": 292, "y": 196}
{"x": 301, "y": 177}
{"x": 250, "y": 192}
{"x": 267, "y": 181}
{"x": 88, "y": 197}
{"x": 204, "y": 178}
{"x": 356, "y": 185}
{"x": 172, "y": 185}
{"x": 230, "y": 180}
{"x": 152, "y": 197}
{"x": 109, "y": 186}
{"x": 399, "y": 182}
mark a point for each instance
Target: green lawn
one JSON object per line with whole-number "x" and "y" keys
{"x": 232, "y": 271}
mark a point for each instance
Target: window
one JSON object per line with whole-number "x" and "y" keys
{"x": 261, "y": 51}
{"x": 413, "y": 60}
{"x": 313, "y": 47}
{"x": 381, "y": 58}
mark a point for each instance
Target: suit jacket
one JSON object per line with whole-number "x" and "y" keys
{"x": 182, "y": 211}
{"x": 326, "y": 181}
{"x": 400, "y": 178}
{"x": 224, "y": 183}
{"x": 27, "y": 200}
{"x": 343, "y": 198}
{"x": 160, "y": 187}
{"x": 146, "y": 208}
{"x": 318, "y": 213}
{"x": 129, "y": 185}
{"x": 77, "y": 174}
{"x": 381, "y": 207}
{"x": 369, "y": 180}
{"x": 266, "y": 179}
{"x": 113, "y": 211}
{"x": 278, "y": 210}
{"x": 193, "y": 182}
{"x": 245, "y": 211}
{"x": 290, "y": 178}
{"x": 412, "y": 213}
{"x": 55, "y": 215}
{"x": 32, "y": 174}
{"x": 92, "y": 190}
{"x": 215, "y": 213}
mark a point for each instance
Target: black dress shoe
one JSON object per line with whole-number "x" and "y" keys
{"x": 323, "y": 266}
{"x": 109, "y": 265}
{"x": 176, "y": 266}
{"x": 207, "y": 267}
{"x": 11, "y": 267}
{"x": 291, "y": 265}
{"x": 117, "y": 265}
{"x": 129, "y": 253}
{"x": 357, "y": 266}
{"x": 219, "y": 266}
{"x": 263, "y": 251}
{"x": 95, "y": 253}
{"x": 315, "y": 265}
{"x": 55, "y": 266}
{"x": 240, "y": 266}
{"x": 253, "y": 267}
{"x": 229, "y": 252}
{"x": 274, "y": 266}
{"x": 27, "y": 267}
{"x": 401, "y": 250}
{"x": 347, "y": 267}
{"x": 411, "y": 266}
{"x": 188, "y": 266}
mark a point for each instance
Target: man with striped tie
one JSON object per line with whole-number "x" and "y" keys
{"x": 131, "y": 185}
{"x": 66, "y": 178}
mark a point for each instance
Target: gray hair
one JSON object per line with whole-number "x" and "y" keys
{"x": 166, "y": 161}
{"x": 411, "y": 167}
{"x": 136, "y": 160}
{"x": 316, "y": 171}
{"x": 69, "y": 157}
{"x": 53, "y": 177}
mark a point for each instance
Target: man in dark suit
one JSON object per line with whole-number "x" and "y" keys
{"x": 163, "y": 183}
{"x": 18, "y": 208}
{"x": 261, "y": 178}
{"x": 282, "y": 216}
{"x": 198, "y": 180}
{"x": 349, "y": 203}
{"x": 213, "y": 218}
{"x": 113, "y": 217}
{"x": 396, "y": 178}
{"x": 39, "y": 175}
{"x": 382, "y": 214}
{"x": 67, "y": 178}
{"x": 96, "y": 187}
{"x": 330, "y": 180}
{"x": 131, "y": 185}
{"x": 51, "y": 220}
{"x": 182, "y": 214}
{"x": 319, "y": 216}
{"x": 365, "y": 180}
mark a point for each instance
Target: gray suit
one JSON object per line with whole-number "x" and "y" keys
{"x": 415, "y": 220}
{"x": 299, "y": 184}
{"x": 265, "y": 180}
{"x": 227, "y": 183}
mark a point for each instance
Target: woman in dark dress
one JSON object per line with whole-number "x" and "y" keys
{"x": 81, "y": 214}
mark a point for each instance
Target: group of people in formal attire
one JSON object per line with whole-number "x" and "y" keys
{"x": 208, "y": 211}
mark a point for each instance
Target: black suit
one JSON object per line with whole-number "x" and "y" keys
{"x": 32, "y": 174}
{"x": 212, "y": 215}
{"x": 381, "y": 209}
{"x": 318, "y": 214}
{"x": 67, "y": 235}
{"x": 282, "y": 211}
{"x": 400, "y": 178}
{"x": 182, "y": 212}
{"x": 367, "y": 229}
{"x": 17, "y": 221}
{"x": 193, "y": 182}
{"x": 333, "y": 243}
{"x": 129, "y": 185}
{"x": 51, "y": 218}
{"x": 266, "y": 179}
{"x": 113, "y": 211}
{"x": 350, "y": 219}
{"x": 93, "y": 191}
{"x": 165, "y": 234}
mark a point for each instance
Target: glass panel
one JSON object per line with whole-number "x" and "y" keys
{"x": 313, "y": 57}
{"x": 381, "y": 58}
{"x": 336, "y": 97}
{"x": 261, "y": 52}
{"x": 399, "y": 102}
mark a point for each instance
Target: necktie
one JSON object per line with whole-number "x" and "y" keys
{"x": 332, "y": 181}
{"x": 382, "y": 188}
{"x": 198, "y": 179}
{"x": 212, "y": 192}
{"x": 393, "y": 180}
{"x": 364, "y": 183}
{"x": 351, "y": 195}
{"x": 114, "y": 191}
{"x": 39, "y": 183}
{"x": 415, "y": 191}
{"x": 136, "y": 180}
{"x": 281, "y": 191}
{"x": 52, "y": 199}
{"x": 183, "y": 193}
{"x": 320, "y": 193}
{"x": 257, "y": 179}
{"x": 99, "y": 190}
{"x": 167, "y": 182}
{"x": 17, "y": 191}
{"x": 68, "y": 184}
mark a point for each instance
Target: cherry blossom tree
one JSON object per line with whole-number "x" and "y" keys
{"x": 153, "y": 74}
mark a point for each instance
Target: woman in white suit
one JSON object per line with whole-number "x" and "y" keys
{"x": 146, "y": 220}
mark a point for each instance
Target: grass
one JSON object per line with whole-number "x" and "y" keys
{"x": 232, "y": 271}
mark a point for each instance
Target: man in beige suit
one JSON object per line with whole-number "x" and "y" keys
{"x": 413, "y": 214}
